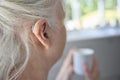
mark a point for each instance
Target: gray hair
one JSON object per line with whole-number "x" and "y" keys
{"x": 14, "y": 45}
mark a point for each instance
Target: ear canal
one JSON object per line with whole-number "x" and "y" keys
{"x": 45, "y": 35}
{"x": 44, "y": 30}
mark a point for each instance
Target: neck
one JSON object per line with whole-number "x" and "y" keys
{"x": 30, "y": 75}
{"x": 33, "y": 76}
{"x": 37, "y": 68}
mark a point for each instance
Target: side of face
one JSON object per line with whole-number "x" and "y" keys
{"x": 58, "y": 40}
{"x": 50, "y": 40}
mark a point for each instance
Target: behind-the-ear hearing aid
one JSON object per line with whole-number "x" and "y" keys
{"x": 44, "y": 33}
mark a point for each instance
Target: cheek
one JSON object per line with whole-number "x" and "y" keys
{"x": 63, "y": 36}
{"x": 60, "y": 37}
{"x": 62, "y": 40}
{"x": 58, "y": 45}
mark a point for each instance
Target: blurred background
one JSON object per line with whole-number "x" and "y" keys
{"x": 93, "y": 24}
{"x": 91, "y": 14}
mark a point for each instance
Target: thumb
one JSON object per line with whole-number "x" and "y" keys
{"x": 70, "y": 72}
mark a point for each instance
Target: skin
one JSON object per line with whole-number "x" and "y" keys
{"x": 47, "y": 49}
{"x": 67, "y": 71}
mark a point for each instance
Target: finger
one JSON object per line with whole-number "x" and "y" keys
{"x": 68, "y": 73}
{"x": 94, "y": 63}
{"x": 87, "y": 72}
{"x": 69, "y": 58}
{"x": 96, "y": 74}
{"x": 95, "y": 71}
{"x": 70, "y": 70}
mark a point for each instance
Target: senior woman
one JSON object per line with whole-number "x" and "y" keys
{"x": 32, "y": 38}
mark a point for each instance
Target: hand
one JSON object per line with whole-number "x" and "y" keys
{"x": 94, "y": 73}
{"x": 67, "y": 71}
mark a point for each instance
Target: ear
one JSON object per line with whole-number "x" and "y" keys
{"x": 41, "y": 33}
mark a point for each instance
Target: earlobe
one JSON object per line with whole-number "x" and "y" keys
{"x": 41, "y": 32}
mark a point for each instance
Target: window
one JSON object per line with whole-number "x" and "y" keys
{"x": 91, "y": 14}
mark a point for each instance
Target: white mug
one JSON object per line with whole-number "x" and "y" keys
{"x": 81, "y": 57}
